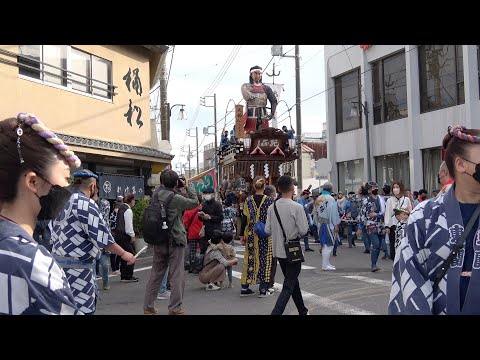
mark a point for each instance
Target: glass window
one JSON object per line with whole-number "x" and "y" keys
{"x": 80, "y": 65}
{"x": 347, "y": 91}
{"x": 390, "y": 89}
{"x": 441, "y": 76}
{"x": 393, "y": 167}
{"x": 55, "y": 55}
{"x": 432, "y": 158}
{"x": 350, "y": 175}
{"x": 101, "y": 71}
{"x": 35, "y": 53}
{"x": 68, "y": 67}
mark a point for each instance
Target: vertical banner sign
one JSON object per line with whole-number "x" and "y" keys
{"x": 239, "y": 124}
{"x": 204, "y": 180}
{"x": 112, "y": 185}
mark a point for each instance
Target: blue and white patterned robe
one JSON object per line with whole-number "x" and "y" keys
{"x": 31, "y": 282}
{"x": 81, "y": 233}
{"x": 326, "y": 217}
{"x": 432, "y": 229}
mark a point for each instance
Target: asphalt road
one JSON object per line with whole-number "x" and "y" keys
{"x": 350, "y": 290}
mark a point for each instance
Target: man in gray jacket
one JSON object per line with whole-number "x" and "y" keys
{"x": 171, "y": 256}
{"x": 294, "y": 221}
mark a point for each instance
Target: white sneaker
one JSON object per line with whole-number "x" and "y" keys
{"x": 164, "y": 296}
{"x": 267, "y": 294}
{"x": 212, "y": 287}
{"x": 271, "y": 290}
{"x": 116, "y": 272}
{"x": 329, "y": 267}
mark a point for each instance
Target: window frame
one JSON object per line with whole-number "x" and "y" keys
{"x": 342, "y": 163}
{"x": 337, "y": 105}
{"x": 393, "y": 156}
{"x": 381, "y": 104}
{"x": 69, "y": 87}
{"x": 423, "y": 100}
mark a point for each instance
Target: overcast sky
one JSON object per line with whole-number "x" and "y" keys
{"x": 202, "y": 70}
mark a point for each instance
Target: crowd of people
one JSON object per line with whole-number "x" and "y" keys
{"x": 55, "y": 236}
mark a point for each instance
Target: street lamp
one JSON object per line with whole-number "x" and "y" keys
{"x": 165, "y": 127}
{"x": 355, "y": 112}
{"x": 182, "y": 114}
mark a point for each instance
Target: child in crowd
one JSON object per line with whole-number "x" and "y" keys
{"x": 218, "y": 257}
{"x": 229, "y": 253}
{"x": 402, "y": 217}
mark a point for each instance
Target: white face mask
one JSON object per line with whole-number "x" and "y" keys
{"x": 207, "y": 197}
{"x": 396, "y": 191}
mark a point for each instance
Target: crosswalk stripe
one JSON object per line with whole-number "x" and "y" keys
{"x": 323, "y": 301}
{"x": 369, "y": 280}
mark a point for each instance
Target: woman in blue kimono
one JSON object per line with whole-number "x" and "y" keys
{"x": 433, "y": 232}
{"x": 34, "y": 171}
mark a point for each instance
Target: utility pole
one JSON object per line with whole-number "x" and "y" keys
{"x": 299, "y": 120}
{"x": 164, "y": 106}
{"x": 196, "y": 140}
{"x": 215, "y": 129}
{"x": 198, "y": 163}
{"x": 189, "y": 165}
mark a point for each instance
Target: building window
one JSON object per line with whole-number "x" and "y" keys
{"x": 393, "y": 167}
{"x": 441, "y": 76}
{"x": 350, "y": 175}
{"x": 347, "y": 91}
{"x": 390, "y": 89}
{"x": 432, "y": 158}
{"x": 68, "y": 67}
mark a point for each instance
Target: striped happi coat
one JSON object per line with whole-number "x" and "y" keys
{"x": 432, "y": 229}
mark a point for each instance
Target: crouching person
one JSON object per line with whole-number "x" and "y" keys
{"x": 215, "y": 263}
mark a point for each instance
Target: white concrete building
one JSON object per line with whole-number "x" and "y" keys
{"x": 412, "y": 94}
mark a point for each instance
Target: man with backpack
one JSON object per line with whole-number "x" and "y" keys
{"x": 169, "y": 245}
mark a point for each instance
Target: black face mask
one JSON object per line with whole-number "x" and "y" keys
{"x": 53, "y": 203}
{"x": 438, "y": 179}
{"x": 375, "y": 192}
{"x": 476, "y": 174}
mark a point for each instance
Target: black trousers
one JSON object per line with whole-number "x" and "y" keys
{"x": 273, "y": 271}
{"x": 392, "y": 242}
{"x": 124, "y": 241}
{"x": 291, "y": 288}
{"x": 115, "y": 262}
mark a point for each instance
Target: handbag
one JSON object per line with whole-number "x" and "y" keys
{"x": 293, "y": 250}
{"x": 259, "y": 227}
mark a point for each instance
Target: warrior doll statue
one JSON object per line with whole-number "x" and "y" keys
{"x": 256, "y": 94}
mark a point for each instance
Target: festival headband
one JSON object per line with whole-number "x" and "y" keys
{"x": 84, "y": 175}
{"x": 458, "y": 132}
{"x": 47, "y": 134}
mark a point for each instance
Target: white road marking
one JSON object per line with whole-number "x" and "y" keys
{"x": 369, "y": 280}
{"x": 334, "y": 305}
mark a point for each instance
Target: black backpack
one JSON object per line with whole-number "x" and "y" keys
{"x": 156, "y": 229}
{"x": 354, "y": 209}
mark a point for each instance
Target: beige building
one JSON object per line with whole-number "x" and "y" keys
{"x": 95, "y": 97}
